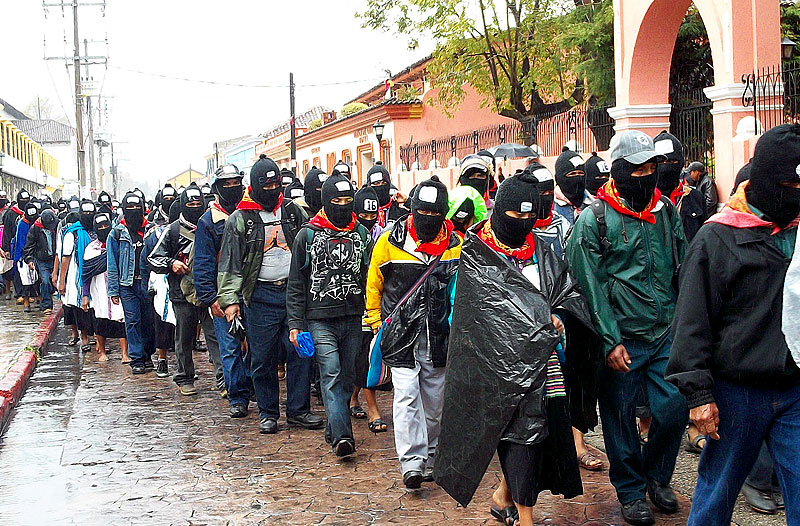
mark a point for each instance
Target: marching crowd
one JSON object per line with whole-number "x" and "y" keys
{"x": 501, "y": 313}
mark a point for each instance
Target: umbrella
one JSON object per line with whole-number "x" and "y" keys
{"x": 512, "y": 151}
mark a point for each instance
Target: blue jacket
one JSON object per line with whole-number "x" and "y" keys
{"x": 207, "y": 243}
{"x": 121, "y": 259}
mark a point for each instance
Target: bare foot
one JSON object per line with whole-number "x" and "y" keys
{"x": 125, "y": 357}
{"x": 102, "y": 357}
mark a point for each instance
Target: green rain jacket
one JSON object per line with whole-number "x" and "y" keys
{"x": 628, "y": 283}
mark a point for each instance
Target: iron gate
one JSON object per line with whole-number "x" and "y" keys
{"x": 692, "y": 123}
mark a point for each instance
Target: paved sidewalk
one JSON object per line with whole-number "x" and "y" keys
{"x": 99, "y": 446}
{"x": 17, "y": 331}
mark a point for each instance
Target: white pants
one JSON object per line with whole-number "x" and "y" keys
{"x": 417, "y": 408}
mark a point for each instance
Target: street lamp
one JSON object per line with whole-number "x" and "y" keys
{"x": 787, "y": 48}
{"x": 378, "y": 128}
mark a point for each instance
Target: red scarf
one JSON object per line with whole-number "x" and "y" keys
{"x": 436, "y": 247}
{"x": 38, "y": 223}
{"x": 321, "y": 220}
{"x": 737, "y": 214}
{"x": 609, "y": 193}
{"x": 17, "y": 210}
{"x": 544, "y": 223}
{"x": 523, "y": 253}
{"x": 247, "y": 203}
{"x": 144, "y": 224}
{"x": 676, "y": 194}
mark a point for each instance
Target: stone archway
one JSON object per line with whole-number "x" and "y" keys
{"x": 744, "y": 35}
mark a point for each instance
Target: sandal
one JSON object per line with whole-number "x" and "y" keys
{"x": 694, "y": 444}
{"x": 86, "y": 347}
{"x": 73, "y": 341}
{"x": 508, "y": 516}
{"x": 378, "y": 426}
{"x": 590, "y": 462}
{"x": 358, "y": 412}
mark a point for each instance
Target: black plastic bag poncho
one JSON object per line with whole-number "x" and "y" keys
{"x": 501, "y": 338}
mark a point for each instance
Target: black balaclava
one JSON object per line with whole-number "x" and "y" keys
{"x": 208, "y": 199}
{"x": 61, "y": 207}
{"x": 206, "y": 189}
{"x": 338, "y": 186}
{"x": 168, "y": 196}
{"x": 3, "y": 199}
{"x": 597, "y": 173}
{"x": 429, "y": 195}
{"x": 86, "y": 215}
{"x": 470, "y": 166}
{"x": 544, "y": 183}
{"x": 102, "y": 226}
{"x": 366, "y": 202}
{"x": 31, "y": 213}
{"x": 104, "y": 199}
{"x": 669, "y": 173}
{"x": 175, "y": 210}
{"x": 294, "y": 190}
{"x": 312, "y": 189}
{"x": 742, "y": 176}
{"x": 133, "y": 211}
{"x": 74, "y": 205}
{"x": 49, "y": 220}
{"x": 287, "y": 177}
{"x": 140, "y": 194}
{"x": 230, "y": 196}
{"x": 637, "y": 191}
{"x": 572, "y": 187}
{"x": 265, "y": 172}
{"x": 192, "y": 196}
{"x": 375, "y": 175}
{"x": 342, "y": 169}
{"x": 23, "y": 198}
{"x": 519, "y": 194}
{"x": 776, "y": 160}
{"x": 463, "y": 215}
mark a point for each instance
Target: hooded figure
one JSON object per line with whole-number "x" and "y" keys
{"x": 379, "y": 179}
{"x": 3, "y": 199}
{"x": 340, "y": 213}
{"x": 287, "y": 177}
{"x": 168, "y": 196}
{"x": 61, "y": 208}
{"x": 475, "y": 173}
{"x": 773, "y": 194}
{"x": 342, "y": 169}
{"x": 515, "y": 210}
{"x": 228, "y": 187}
{"x": 428, "y": 210}
{"x": 638, "y": 191}
{"x": 23, "y": 198}
{"x": 133, "y": 211}
{"x": 205, "y": 189}
{"x": 294, "y": 190}
{"x": 86, "y": 214}
{"x": 192, "y": 205}
{"x": 570, "y": 177}
{"x": 312, "y": 189}
{"x": 365, "y": 206}
{"x": 104, "y": 203}
{"x": 462, "y": 208}
{"x": 597, "y": 173}
{"x": 265, "y": 179}
{"x": 669, "y": 170}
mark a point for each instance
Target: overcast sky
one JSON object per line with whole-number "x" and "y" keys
{"x": 163, "y": 125}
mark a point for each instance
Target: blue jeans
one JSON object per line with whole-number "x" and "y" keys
{"x": 630, "y": 464}
{"x": 267, "y": 334}
{"x": 336, "y": 343}
{"x": 45, "y": 269}
{"x": 747, "y": 417}
{"x": 139, "y": 325}
{"x": 234, "y": 368}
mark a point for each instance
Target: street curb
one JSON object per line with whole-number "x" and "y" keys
{"x": 12, "y": 385}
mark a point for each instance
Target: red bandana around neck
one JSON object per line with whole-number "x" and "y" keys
{"x": 321, "y": 220}
{"x": 523, "y": 253}
{"x": 247, "y": 203}
{"x": 436, "y": 247}
{"x": 609, "y": 193}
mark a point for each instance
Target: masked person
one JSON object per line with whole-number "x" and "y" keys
{"x": 380, "y": 181}
{"x": 287, "y": 177}
{"x": 6, "y": 262}
{"x": 311, "y": 203}
{"x": 397, "y": 210}
{"x": 229, "y": 189}
{"x": 475, "y": 173}
{"x": 253, "y": 268}
{"x": 632, "y": 239}
{"x": 73, "y": 208}
{"x": 328, "y": 274}
{"x": 126, "y": 269}
{"x": 13, "y": 216}
{"x": 735, "y": 355}
{"x": 61, "y": 208}
{"x": 27, "y": 274}
{"x": 518, "y": 342}
{"x": 104, "y": 204}
{"x": 416, "y": 346}
{"x": 109, "y": 318}
{"x": 160, "y": 213}
{"x": 294, "y": 190}
{"x": 493, "y": 171}
{"x": 39, "y": 252}
{"x": 461, "y": 209}
{"x": 570, "y": 193}
{"x": 597, "y": 173}
{"x": 343, "y": 169}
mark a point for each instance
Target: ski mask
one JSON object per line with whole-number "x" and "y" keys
{"x": 335, "y": 187}
{"x": 61, "y": 208}
{"x": 669, "y": 171}
{"x": 168, "y": 196}
{"x": 516, "y": 194}
{"x": 31, "y": 214}
{"x": 102, "y": 226}
{"x": 570, "y": 176}
{"x": 175, "y": 210}
{"x": 637, "y": 191}
{"x": 429, "y": 196}
{"x": 49, "y": 220}
{"x": 74, "y": 205}
{"x": 366, "y": 202}
{"x": 312, "y": 189}
{"x": 265, "y": 172}
{"x": 287, "y": 177}
{"x": 86, "y": 215}
{"x": 133, "y": 211}
{"x": 545, "y": 190}
{"x": 342, "y": 169}
{"x": 294, "y": 190}
{"x": 463, "y": 215}
{"x": 23, "y": 198}
{"x": 776, "y": 163}
{"x": 380, "y": 181}
{"x": 597, "y": 173}
{"x": 192, "y": 205}
{"x": 229, "y": 196}
{"x": 3, "y": 199}
{"x": 475, "y": 173}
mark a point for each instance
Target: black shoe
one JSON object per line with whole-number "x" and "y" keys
{"x": 27, "y": 309}
{"x": 760, "y": 501}
{"x": 638, "y": 513}
{"x": 413, "y": 479}
{"x": 238, "y": 411}
{"x": 427, "y": 475}
{"x": 138, "y": 369}
{"x": 162, "y": 371}
{"x": 148, "y": 364}
{"x": 200, "y": 346}
{"x": 662, "y": 496}
{"x": 777, "y": 496}
{"x": 268, "y": 426}
{"x": 306, "y": 421}
{"x": 344, "y": 448}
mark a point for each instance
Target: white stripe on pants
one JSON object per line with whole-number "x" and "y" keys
{"x": 418, "y": 398}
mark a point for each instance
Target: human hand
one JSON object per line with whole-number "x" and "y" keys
{"x": 30, "y": 265}
{"x": 293, "y": 338}
{"x": 179, "y": 267}
{"x": 115, "y": 300}
{"x": 217, "y": 311}
{"x": 619, "y": 359}
{"x": 85, "y": 304}
{"x": 706, "y": 418}
{"x": 231, "y": 312}
{"x": 557, "y": 322}
{"x": 62, "y": 288}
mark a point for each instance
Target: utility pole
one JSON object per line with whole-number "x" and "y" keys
{"x": 90, "y": 133}
{"x": 78, "y": 96}
{"x": 114, "y": 178}
{"x": 293, "y": 139}
{"x": 216, "y": 156}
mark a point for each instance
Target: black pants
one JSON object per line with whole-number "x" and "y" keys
{"x": 188, "y": 316}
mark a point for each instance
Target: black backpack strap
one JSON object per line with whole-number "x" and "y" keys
{"x": 598, "y": 207}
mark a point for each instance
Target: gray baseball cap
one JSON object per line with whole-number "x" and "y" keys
{"x": 635, "y": 147}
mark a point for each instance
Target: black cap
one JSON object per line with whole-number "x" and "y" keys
{"x": 366, "y": 201}
{"x": 337, "y": 186}
{"x": 430, "y": 195}
{"x": 264, "y": 171}
{"x": 567, "y": 162}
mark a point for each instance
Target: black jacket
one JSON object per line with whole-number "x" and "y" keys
{"x": 693, "y": 213}
{"x": 37, "y": 246}
{"x": 728, "y": 318}
{"x": 173, "y": 246}
{"x": 708, "y": 188}
{"x": 11, "y": 216}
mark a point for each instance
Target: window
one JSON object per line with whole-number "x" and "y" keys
{"x": 316, "y": 162}
{"x": 306, "y": 168}
{"x": 330, "y": 161}
{"x": 346, "y": 157}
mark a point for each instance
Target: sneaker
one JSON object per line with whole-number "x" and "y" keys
{"x": 344, "y": 448}
{"x": 148, "y": 364}
{"x": 412, "y": 479}
{"x": 162, "y": 371}
{"x": 187, "y": 390}
{"x": 238, "y": 411}
{"x": 138, "y": 369}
